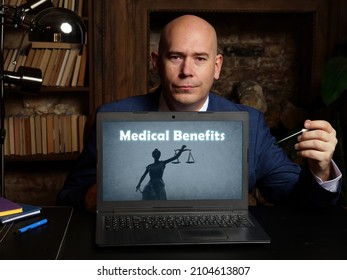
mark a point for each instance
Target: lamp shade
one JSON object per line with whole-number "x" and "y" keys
{"x": 58, "y": 25}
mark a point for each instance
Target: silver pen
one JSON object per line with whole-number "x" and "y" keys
{"x": 292, "y": 135}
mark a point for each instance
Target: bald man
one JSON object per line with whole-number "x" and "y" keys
{"x": 187, "y": 62}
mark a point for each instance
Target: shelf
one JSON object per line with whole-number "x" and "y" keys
{"x": 37, "y": 178}
{"x": 38, "y": 158}
{"x": 48, "y": 91}
{"x": 63, "y": 90}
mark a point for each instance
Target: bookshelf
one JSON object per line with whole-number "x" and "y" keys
{"x": 65, "y": 95}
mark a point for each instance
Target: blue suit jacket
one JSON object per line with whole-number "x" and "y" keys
{"x": 279, "y": 180}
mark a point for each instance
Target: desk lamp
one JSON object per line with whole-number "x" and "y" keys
{"x": 42, "y": 22}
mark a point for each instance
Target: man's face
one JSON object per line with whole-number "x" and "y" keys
{"x": 187, "y": 64}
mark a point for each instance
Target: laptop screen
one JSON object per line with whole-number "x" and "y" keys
{"x": 181, "y": 157}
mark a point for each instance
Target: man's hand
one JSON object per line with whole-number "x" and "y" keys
{"x": 318, "y": 146}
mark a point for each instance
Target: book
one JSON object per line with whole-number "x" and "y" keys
{"x": 82, "y": 72}
{"x": 81, "y": 124}
{"x": 32, "y": 134}
{"x": 56, "y": 67}
{"x": 55, "y": 3}
{"x": 50, "y": 133}
{"x": 11, "y": 134}
{"x": 44, "y": 62}
{"x": 17, "y": 135}
{"x": 27, "y": 136}
{"x": 56, "y": 136}
{"x": 67, "y": 73}
{"x": 12, "y": 63}
{"x": 7, "y": 138}
{"x": 50, "y": 66}
{"x": 28, "y": 211}
{"x": 68, "y": 137}
{"x": 8, "y": 58}
{"x": 76, "y": 71}
{"x": 62, "y": 67}
{"x": 77, "y": 7}
{"x": 80, "y": 8}
{"x": 72, "y": 69}
{"x": 20, "y": 62}
{"x": 38, "y": 134}
{"x": 74, "y": 133}
{"x": 36, "y": 58}
{"x": 21, "y": 136}
{"x": 8, "y": 207}
{"x": 30, "y": 58}
{"x": 44, "y": 134}
{"x": 39, "y": 61}
{"x": 72, "y": 5}
{"x": 62, "y": 133}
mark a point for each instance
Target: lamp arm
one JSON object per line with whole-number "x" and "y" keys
{"x": 17, "y": 17}
{"x": 24, "y": 15}
{"x": 20, "y": 47}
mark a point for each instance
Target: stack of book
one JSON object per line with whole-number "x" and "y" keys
{"x": 10, "y": 211}
{"x": 61, "y": 64}
{"x": 44, "y": 134}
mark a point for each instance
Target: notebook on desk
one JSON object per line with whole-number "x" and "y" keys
{"x": 173, "y": 178}
{"x": 41, "y": 243}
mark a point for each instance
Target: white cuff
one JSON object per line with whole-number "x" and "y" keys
{"x": 331, "y": 185}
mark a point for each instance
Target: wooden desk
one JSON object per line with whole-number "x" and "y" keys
{"x": 44, "y": 242}
{"x": 295, "y": 234}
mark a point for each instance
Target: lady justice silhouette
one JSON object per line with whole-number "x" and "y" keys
{"x": 155, "y": 188}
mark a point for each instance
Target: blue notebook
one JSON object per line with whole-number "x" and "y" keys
{"x": 7, "y": 207}
{"x": 28, "y": 210}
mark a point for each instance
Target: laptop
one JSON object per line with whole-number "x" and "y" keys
{"x": 173, "y": 178}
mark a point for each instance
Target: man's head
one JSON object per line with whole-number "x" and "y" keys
{"x": 187, "y": 62}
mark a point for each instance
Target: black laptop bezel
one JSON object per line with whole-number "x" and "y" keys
{"x": 187, "y": 205}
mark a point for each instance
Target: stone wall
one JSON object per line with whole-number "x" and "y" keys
{"x": 35, "y": 183}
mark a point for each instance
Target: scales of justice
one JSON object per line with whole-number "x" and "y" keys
{"x": 190, "y": 157}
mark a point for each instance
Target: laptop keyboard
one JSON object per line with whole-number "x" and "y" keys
{"x": 175, "y": 221}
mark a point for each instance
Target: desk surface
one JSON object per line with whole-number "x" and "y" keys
{"x": 295, "y": 234}
{"x": 44, "y": 242}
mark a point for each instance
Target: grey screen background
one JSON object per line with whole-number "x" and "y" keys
{"x": 215, "y": 174}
